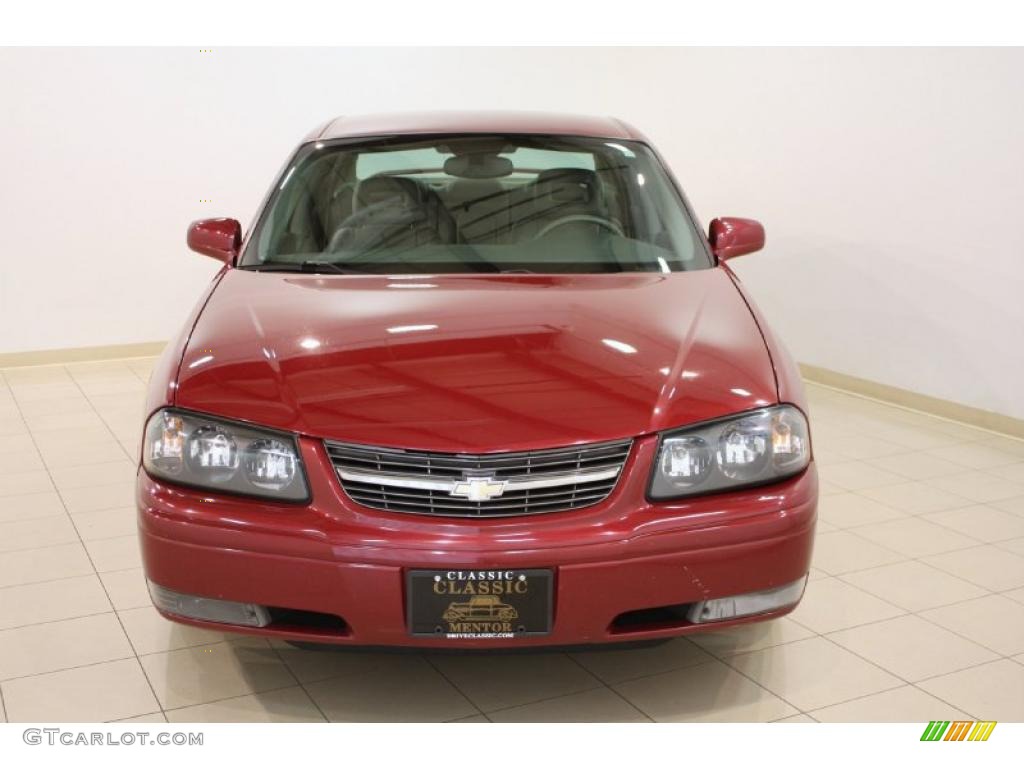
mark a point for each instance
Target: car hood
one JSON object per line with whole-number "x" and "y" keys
{"x": 475, "y": 363}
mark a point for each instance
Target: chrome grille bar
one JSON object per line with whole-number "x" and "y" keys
{"x": 508, "y": 484}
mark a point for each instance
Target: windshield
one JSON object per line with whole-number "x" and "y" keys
{"x": 476, "y": 203}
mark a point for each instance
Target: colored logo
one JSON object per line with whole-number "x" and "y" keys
{"x": 958, "y": 730}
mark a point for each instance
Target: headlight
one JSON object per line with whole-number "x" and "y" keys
{"x": 202, "y": 451}
{"x": 748, "y": 449}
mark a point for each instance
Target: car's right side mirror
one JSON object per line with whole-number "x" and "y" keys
{"x": 732, "y": 236}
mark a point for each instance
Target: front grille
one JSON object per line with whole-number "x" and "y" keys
{"x": 420, "y": 482}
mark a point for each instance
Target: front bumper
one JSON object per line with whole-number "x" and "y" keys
{"x": 621, "y": 557}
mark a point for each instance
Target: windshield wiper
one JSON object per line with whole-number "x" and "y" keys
{"x": 309, "y": 266}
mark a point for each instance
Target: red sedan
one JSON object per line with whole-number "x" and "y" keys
{"x": 475, "y": 380}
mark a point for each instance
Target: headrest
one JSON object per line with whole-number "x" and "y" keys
{"x": 395, "y": 191}
{"x": 567, "y": 184}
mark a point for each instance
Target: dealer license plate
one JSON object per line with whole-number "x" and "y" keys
{"x": 479, "y": 604}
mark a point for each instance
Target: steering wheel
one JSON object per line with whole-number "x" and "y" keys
{"x": 608, "y": 224}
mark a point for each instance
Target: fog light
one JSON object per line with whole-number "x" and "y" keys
{"x": 208, "y": 609}
{"x": 722, "y": 608}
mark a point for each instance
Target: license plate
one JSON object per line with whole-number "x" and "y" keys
{"x": 479, "y": 604}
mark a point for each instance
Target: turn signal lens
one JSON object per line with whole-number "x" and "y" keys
{"x": 167, "y": 449}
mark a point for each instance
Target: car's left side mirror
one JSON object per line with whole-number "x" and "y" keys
{"x": 219, "y": 238}
{"x": 731, "y": 236}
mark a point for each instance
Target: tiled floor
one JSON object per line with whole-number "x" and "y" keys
{"x": 915, "y": 610}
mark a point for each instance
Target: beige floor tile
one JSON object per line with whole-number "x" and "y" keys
{"x": 70, "y": 438}
{"x": 30, "y": 506}
{"x": 89, "y": 475}
{"x": 1014, "y": 505}
{"x": 20, "y": 463}
{"x": 916, "y": 438}
{"x": 847, "y": 510}
{"x": 287, "y": 705}
{"x": 27, "y": 566}
{"x": 916, "y": 466}
{"x": 914, "y": 537}
{"x": 981, "y": 522}
{"x": 859, "y": 447}
{"x": 35, "y": 374}
{"x": 56, "y": 389}
{"x": 55, "y": 422}
{"x": 12, "y": 425}
{"x": 1012, "y": 472}
{"x": 843, "y": 552}
{"x": 916, "y": 498}
{"x": 796, "y": 719}
{"x": 709, "y": 693}
{"x": 54, "y": 405}
{"x": 212, "y": 672}
{"x": 37, "y": 533}
{"x": 831, "y": 604}
{"x": 313, "y": 665}
{"x": 13, "y": 444}
{"x": 813, "y": 673}
{"x": 21, "y": 483}
{"x": 913, "y": 585}
{"x": 900, "y": 705}
{"x": 979, "y": 487}
{"x": 106, "y": 523}
{"x": 99, "y": 497}
{"x": 994, "y": 621}
{"x": 52, "y": 601}
{"x": 751, "y": 637}
{"x": 126, "y": 589}
{"x": 61, "y": 645}
{"x": 498, "y": 682}
{"x": 1014, "y": 445}
{"x": 155, "y": 717}
{"x": 989, "y": 692}
{"x": 99, "y": 692}
{"x": 79, "y": 455}
{"x": 987, "y": 566}
{"x": 857, "y": 476}
{"x": 975, "y": 455}
{"x": 408, "y": 690}
{"x": 613, "y": 665}
{"x": 1016, "y": 546}
{"x": 150, "y": 632}
{"x": 912, "y": 648}
{"x": 601, "y": 705}
{"x": 1015, "y": 594}
{"x": 117, "y": 554}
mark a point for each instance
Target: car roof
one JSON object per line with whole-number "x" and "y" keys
{"x": 544, "y": 123}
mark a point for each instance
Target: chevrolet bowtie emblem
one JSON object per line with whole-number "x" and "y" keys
{"x": 479, "y": 488}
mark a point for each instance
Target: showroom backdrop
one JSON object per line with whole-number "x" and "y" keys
{"x": 883, "y": 176}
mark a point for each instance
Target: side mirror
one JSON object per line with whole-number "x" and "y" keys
{"x": 219, "y": 238}
{"x": 731, "y": 236}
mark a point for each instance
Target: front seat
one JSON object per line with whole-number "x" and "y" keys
{"x": 558, "y": 193}
{"x": 393, "y": 212}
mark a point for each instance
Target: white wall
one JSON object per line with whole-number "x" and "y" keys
{"x": 891, "y": 181}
